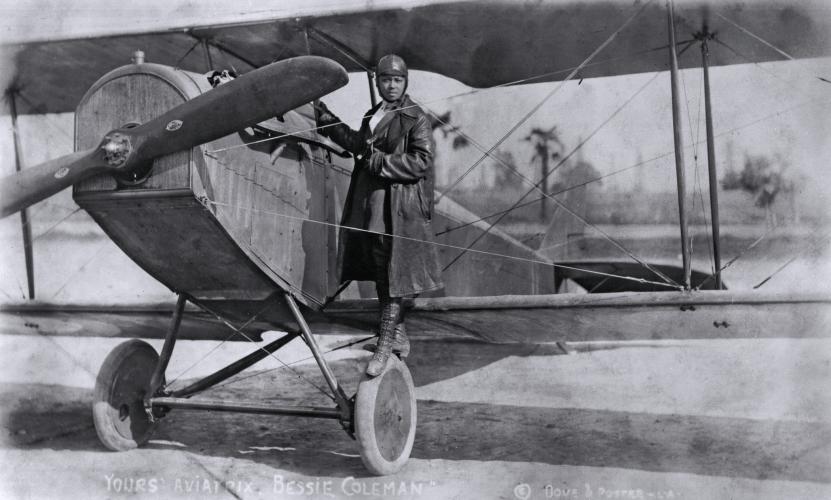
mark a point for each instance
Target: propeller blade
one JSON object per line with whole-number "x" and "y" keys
{"x": 243, "y": 102}
{"x": 252, "y": 98}
{"x": 34, "y": 184}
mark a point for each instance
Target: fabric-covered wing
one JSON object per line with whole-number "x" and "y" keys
{"x": 148, "y": 321}
{"x": 499, "y": 319}
{"x": 481, "y": 43}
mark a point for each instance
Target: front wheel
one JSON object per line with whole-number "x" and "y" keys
{"x": 120, "y": 388}
{"x": 385, "y": 418}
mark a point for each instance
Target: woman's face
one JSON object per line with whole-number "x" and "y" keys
{"x": 391, "y": 87}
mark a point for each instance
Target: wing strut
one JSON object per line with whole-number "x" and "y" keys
{"x": 711, "y": 156}
{"x": 206, "y": 50}
{"x": 679, "y": 146}
{"x": 369, "y": 79}
{"x": 330, "y": 42}
{"x": 25, "y": 222}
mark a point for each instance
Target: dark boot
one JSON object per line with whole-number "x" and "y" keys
{"x": 400, "y": 342}
{"x": 389, "y": 318}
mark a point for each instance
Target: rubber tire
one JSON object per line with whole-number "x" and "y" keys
{"x": 385, "y": 444}
{"x": 120, "y": 388}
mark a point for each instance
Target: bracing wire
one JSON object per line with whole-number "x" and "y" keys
{"x": 739, "y": 255}
{"x": 565, "y": 208}
{"x": 444, "y": 245}
{"x": 816, "y": 246}
{"x": 53, "y": 226}
{"x": 787, "y": 85}
{"x": 307, "y": 358}
{"x": 720, "y": 134}
{"x": 94, "y": 256}
{"x": 530, "y": 79}
{"x": 695, "y": 140}
{"x": 220, "y": 344}
{"x": 179, "y": 61}
{"x": 557, "y": 193}
{"x": 556, "y": 89}
{"x": 760, "y": 39}
{"x": 240, "y": 332}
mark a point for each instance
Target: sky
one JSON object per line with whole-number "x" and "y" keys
{"x": 766, "y": 109}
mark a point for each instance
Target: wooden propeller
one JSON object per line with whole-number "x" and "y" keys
{"x": 251, "y": 98}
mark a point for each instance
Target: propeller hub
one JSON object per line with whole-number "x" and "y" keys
{"x": 117, "y": 148}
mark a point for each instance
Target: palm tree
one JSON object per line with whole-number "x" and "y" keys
{"x": 542, "y": 139}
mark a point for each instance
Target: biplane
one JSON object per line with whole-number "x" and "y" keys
{"x": 231, "y": 196}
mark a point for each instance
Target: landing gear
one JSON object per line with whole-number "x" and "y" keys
{"x": 123, "y": 382}
{"x": 130, "y": 395}
{"x": 385, "y": 418}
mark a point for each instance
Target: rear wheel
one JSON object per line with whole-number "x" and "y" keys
{"x": 120, "y": 388}
{"x": 385, "y": 418}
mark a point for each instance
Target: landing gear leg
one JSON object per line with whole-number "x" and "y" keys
{"x": 131, "y": 374}
{"x": 383, "y": 414}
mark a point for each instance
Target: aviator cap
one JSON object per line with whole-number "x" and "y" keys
{"x": 391, "y": 65}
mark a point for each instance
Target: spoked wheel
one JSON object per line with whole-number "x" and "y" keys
{"x": 385, "y": 418}
{"x": 120, "y": 388}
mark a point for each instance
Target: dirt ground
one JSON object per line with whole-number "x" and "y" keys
{"x": 717, "y": 419}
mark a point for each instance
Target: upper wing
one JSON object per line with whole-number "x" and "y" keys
{"x": 481, "y": 43}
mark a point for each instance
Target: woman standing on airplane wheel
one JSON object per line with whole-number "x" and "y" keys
{"x": 386, "y": 237}
{"x": 387, "y": 232}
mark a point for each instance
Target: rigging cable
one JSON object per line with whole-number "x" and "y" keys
{"x": 572, "y": 72}
{"x": 53, "y": 226}
{"x": 564, "y": 190}
{"x": 240, "y": 332}
{"x": 639, "y": 164}
{"x": 307, "y": 358}
{"x": 556, "y": 89}
{"x": 787, "y": 84}
{"x": 724, "y": 133}
{"x": 444, "y": 245}
{"x": 739, "y": 255}
{"x": 198, "y": 42}
{"x": 100, "y": 249}
{"x": 816, "y": 246}
{"x": 446, "y": 98}
{"x": 567, "y": 209}
{"x": 758, "y": 38}
{"x": 220, "y": 344}
{"x": 695, "y": 140}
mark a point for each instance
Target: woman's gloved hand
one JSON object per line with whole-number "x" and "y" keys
{"x": 323, "y": 115}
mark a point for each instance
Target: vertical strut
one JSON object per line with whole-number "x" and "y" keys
{"x": 337, "y": 390}
{"x": 157, "y": 379}
{"x": 24, "y": 213}
{"x": 711, "y": 161}
{"x": 679, "y": 145}
{"x": 372, "y": 96}
{"x": 544, "y": 180}
{"x": 206, "y": 48}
